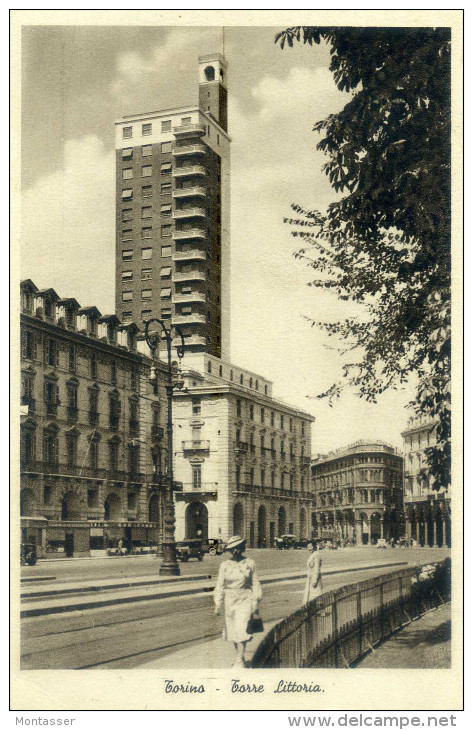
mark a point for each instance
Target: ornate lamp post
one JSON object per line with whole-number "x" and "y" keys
{"x": 169, "y": 566}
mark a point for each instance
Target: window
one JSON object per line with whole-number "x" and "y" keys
{"x": 166, "y": 209}
{"x": 185, "y": 121}
{"x": 29, "y": 346}
{"x": 146, "y": 294}
{"x": 262, "y": 415}
{"x": 165, "y": 293}
{"x": 145, "y": 314}
{"x": 127, "y": 275}
{"x": 146, "y": 150}
{"x": 146, "y": 191}
{"x": 196, "y": 406}
{"x": 51, "y": 353}
{"x": 196, "y": 476}
{"x": 146, "y": 253}
{"x": 113, "y": 372}
{"x": 126, "y": 317}
{"x": 302, "y": 428}
{"x": 93, "y": 365}
{"x": 166, "y": 251}
{"x": 262, "y": 477}
{"x": 241, "y": 379}
{"x": 127, "y": 194}
{"x": 257, "y": 385}
{"x": 146, "y": 273}
{"x": 238, "y": 407}
{"x": 127, "y": 173}
{"x": 127, "y": 255}
{"x": 51, "y": 397}
{"x": 166, "y": 147}
{"x": 166, "y": 168}
{"x": 127, "y": 296}
{"x": 127, "y": 214}
{"x": 146, "y": 171}
{"x": 146, "y": 211}
{"x": 72, "y": 359}
{"x": 282, "y": 421}
{"x": 252, "y": 412}
{"x": 231, "y": 374}
{"x": 127, "y": 132}
{"x": 165, "y": 271}
{"x": 127, "y": 234}
{"x": 127, "y": 153}
{"x": 166, "y": 188}
{"x": 166, "y": 231}
{"x": 166, "y": 312}
{"x": 71, "y": 445}
{"x": 146, "y": 232}
{"x": 290, "y": 424}
{"x": 146, "y": 129}
{"x": 166, "y": 126}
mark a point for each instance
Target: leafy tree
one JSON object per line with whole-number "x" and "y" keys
{"x": 385, "y": 244}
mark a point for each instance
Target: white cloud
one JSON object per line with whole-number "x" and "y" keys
{"x": 68, "y": 221}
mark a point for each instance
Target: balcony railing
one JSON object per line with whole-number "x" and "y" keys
{"x": 189, "y": 276}
{"x": 192, "y": 341}
{"x": 189, "y": 233}
{"x": 76, "y": 470}
{"x": 184, "y": 213}
{"x": 194, "y": 296}
{"x": 190, "y": 192}
{"x": 193, "y": 255}
{"x": 202, "y": 487}
{"x": 188, "y": 171}
{"x": 196, "y": 445}
{"x": 186, "y": 130}
{"x": 189, "y": 149}
{"x": 194, "y": 318}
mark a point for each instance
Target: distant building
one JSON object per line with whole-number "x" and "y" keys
{"x": 358, "y": 493}
{"x": 428, "y": 516}
{"x": 243, "y": 457}
{"x": 92, "y": 438}
{"x": 173, "y": 214}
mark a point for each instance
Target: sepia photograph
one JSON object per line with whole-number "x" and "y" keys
{"x": 233, "y": 262}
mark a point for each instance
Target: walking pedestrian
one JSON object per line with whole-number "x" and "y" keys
{"x": 313, "y": 585}
{"x": 238, "y": 591}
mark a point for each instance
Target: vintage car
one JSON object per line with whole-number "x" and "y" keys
{"x": 214, "y": 546}
{"x": 28, "y": 555}
{"x": 382, "y": 543}
{"x": 188, "y": 549}
{"x": 286, "y": 542}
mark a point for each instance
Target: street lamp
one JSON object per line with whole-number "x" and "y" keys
{"x": 169, "y": 565}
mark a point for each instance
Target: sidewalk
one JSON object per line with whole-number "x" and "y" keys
{"x": 423, "y": 644}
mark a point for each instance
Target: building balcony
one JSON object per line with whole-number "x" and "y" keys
{"x": 193, "y": 341}
{"x": 190, "y": 233}
{"x": 184, "y": 213}
{"x": 189, "y": 171}
{"x": 196, "y": 445}
{"x": 202, "y": 488}
{"x": 189, "y": 130}
{"x": 56, "y": 469}
{"x": 194, "y": 275}
{"x": 194, "y": 296}
{"x": 194, "y": 318}
{"x": 189, "y": 149}
{"x": 193, "y": 192}
{"x": 193, "y": 255}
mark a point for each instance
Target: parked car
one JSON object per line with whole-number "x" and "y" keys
{"x": 382, "y": 543}
{"x": 286, "y": 542}
{"x": 28, "y": 554}
{"x": 188, "y": 549}
{"x": 214, "y": 546}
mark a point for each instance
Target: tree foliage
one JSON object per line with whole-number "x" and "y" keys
{"x": 386, "y": 243}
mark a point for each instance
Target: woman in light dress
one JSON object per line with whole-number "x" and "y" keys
{"x": 238, "y": 591}
{"x": 313, "y": 584}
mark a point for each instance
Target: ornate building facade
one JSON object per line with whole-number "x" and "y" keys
{"x": 358, "y": 493}
{"x": 243, "y": 457}
{"x": 427, "y": 512}
{"x": 92, "y": 439}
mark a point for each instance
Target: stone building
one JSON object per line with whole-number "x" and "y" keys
{"x": 243, "y": 457}
{"x": 427, "y": 512}
{"x": 92, "y": 438}
{"x": 358, "y": 493}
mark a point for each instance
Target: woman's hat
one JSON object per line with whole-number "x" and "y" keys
{"x": 234, "y": 542}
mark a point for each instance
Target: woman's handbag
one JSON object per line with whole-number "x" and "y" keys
{"x": 255, "y": 624}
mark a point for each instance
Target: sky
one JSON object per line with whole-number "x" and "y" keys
{"x": 76, "y": 81}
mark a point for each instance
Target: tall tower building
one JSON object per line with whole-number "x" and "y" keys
{"x": 173, "y": 215}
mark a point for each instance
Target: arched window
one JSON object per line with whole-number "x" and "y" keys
{"x": 209, "y": 366}
{"x": 209, "y": 73}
